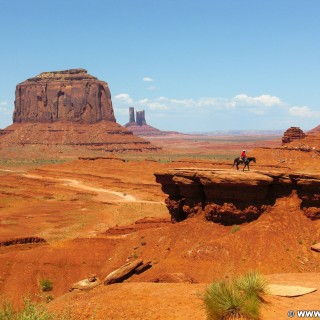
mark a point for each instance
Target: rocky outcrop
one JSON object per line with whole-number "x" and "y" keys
{"x": 27, "y": 240}
{"x": 315, "y": 130}
{"x": 66, "y": 114}
{"x": 291, "y": 134}
{"x": 86, "y": 284}
{"x": 136, "y": 266}
{"x": 316, "y": 247}
{"x": 69, "y": 95}
{"x": 141, "y": 119}
{"x": 138, "y": 125}
{"x": 229, "y": 197}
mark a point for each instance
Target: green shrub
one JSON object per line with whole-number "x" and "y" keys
{"x": 235, "y": 228}
{"x": 240, "y": 298}
{"x": 46, "y": 285}
{"x": 222, "y": 301}
{"x": 252, "y": 284}
{"x": 30, "y": 311}
{"x": 6, "y": 311}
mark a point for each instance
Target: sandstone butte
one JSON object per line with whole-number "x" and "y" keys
{"x": 66, "y": 113}
{"x": 138, "y": 125}
{"x": 235, "y": 197}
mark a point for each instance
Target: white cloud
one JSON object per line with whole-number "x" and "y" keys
{"x": 4, "y": 107}
{"x": 241, "y": 111}
{"x": 260, "y": 107}
{"x": 263, "y": 100}
{"x": 147, "y": 79}
{"x": 304, "y": 112}
{"x": 123, "y": 97}
{"x": 252, "y": 104}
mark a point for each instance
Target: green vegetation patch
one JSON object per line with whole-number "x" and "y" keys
{"x": 239, "y": 298}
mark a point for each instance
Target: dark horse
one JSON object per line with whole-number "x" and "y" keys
{"x": 238, "y": 161}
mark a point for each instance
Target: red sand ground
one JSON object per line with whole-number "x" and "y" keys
{"x": 74, "y": 216}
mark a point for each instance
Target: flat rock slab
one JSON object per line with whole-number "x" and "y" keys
{"x": 86, "y": 284}
{"x": 316, "y": 247}
{"x": 288, "y": 291}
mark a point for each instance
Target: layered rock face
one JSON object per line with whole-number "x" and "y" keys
{"x": 70, "y": 95}
{"x": 66, "y": 114}
{"x": 230, "y": 197}
{"x": 291, "y": 134}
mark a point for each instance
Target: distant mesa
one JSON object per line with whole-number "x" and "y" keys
{"x": 138, "y": 125}
{"x": 295, "y": 138}
{"x": 69, "y": 95}
{"x": 291, "y": 134}
{"x": 66, "y": 112}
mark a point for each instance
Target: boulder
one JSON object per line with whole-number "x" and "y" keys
{"x": 86, "y": 284}
{"x": 123, "y": 272}
{"x": 288, "y": 291}
{"x": 316, "y": 247}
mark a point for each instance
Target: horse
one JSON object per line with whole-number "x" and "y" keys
{"x": 238, "y": 161}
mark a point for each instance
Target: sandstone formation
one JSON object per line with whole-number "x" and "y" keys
{"x": 86, "y": 284}
{"x": 70, "y": 95}
{"x": 65, "y": 113}
{"x": 138, "y": 124}
{"x": 229, "y": 197}
{"x": 316, "y": 247}
{"x": 315, "y": 130}
{"x": 124, "y": 272}
{"x": 291, "y": 134}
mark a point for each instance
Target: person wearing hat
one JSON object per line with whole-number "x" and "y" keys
{"x": 243, "y": 155}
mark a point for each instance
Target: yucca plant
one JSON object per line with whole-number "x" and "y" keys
{"x": 237, "y": 299}
{"x": 222, "y": 301}
{"x": 252, "y": 284}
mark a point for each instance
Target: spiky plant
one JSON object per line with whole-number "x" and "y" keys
{"x": 237, "y": 299}
{"x": 252, "y": 284}
{"x": 222, "y": 301}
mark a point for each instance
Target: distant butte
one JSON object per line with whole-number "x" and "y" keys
{"x": 138, "y": 125}
{"x": 65, "y": 113}
{"x": 295, "y": 138}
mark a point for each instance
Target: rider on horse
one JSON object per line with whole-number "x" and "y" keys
{"x": 243, "y": 156}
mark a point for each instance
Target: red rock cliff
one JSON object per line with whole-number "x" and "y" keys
{"x": 229, "y": 197}
{"x": 69, "y": 95}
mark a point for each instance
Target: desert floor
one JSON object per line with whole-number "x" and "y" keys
{"x": 94, "y": 215}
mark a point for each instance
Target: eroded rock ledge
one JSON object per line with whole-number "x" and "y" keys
{"x": 229, "y": 197}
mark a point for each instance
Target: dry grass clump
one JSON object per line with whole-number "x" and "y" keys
{"x": 237, "y": 299}
{"x": 30, "y": 311}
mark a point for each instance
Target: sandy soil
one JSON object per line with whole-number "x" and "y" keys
{"x": 86, "y": 211}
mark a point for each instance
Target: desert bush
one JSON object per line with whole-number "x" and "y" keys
{"x": 30, "y": 311}
{"x": 222, "y": 301}
{"x": 235, "y": 228}
{"x": 237, "y": 299}
{"x": 46, "y": 285}
{"x": 252, "y": 284}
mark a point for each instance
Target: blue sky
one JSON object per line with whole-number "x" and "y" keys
{"x": 192, "y": 65}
